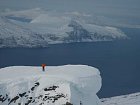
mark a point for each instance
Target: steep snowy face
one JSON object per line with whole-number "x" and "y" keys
{"x": 38, "y": 28}
{"x": 75, "y": 28}
{"x": 58, "y": 85}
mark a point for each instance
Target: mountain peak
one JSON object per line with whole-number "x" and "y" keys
{"x": 58, "y": 85}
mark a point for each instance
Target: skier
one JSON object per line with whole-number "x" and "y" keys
{"x": 43, "y": 67}
{"x": 80, "y": 103}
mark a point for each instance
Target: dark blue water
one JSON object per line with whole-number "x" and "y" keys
{"x": 118, "y": 61}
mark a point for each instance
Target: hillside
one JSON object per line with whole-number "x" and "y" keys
{"x": 38, "y": 28}
{"x": 58, "y": 85}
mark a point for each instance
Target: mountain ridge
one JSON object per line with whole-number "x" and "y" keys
{"x": 51, "y": 28}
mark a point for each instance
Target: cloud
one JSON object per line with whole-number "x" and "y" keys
{"x": 123, "y": 11}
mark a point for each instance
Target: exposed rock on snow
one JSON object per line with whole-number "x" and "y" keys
{"x": 58, "y": 85}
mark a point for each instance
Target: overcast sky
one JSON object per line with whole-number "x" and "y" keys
{"x": 122, "y": 9}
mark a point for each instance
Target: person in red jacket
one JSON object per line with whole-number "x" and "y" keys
{"x": 43, "y": 67}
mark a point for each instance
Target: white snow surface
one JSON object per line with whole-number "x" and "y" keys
{"x": 130, "y": 99}
{"x": 56, "y": 86}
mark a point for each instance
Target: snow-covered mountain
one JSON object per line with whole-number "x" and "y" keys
{"x": 13, "y": 35}
{"x": 58, "y": 85}
{"x": 37, "y": 28}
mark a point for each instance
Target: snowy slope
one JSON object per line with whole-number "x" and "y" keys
{"x": 73, "y": 28}
{"x": 38, "y": 28}
{"x": 13, "y": 35}
{"x": 131, "y": 99}
{"x": 58, "y": 85}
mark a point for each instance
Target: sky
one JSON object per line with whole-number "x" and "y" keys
{"x": 123, "y": 10}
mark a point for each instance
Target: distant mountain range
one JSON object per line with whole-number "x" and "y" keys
{"x": 38, "y": 28}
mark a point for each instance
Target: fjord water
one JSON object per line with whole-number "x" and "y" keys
{"x": 118, "y": 61}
